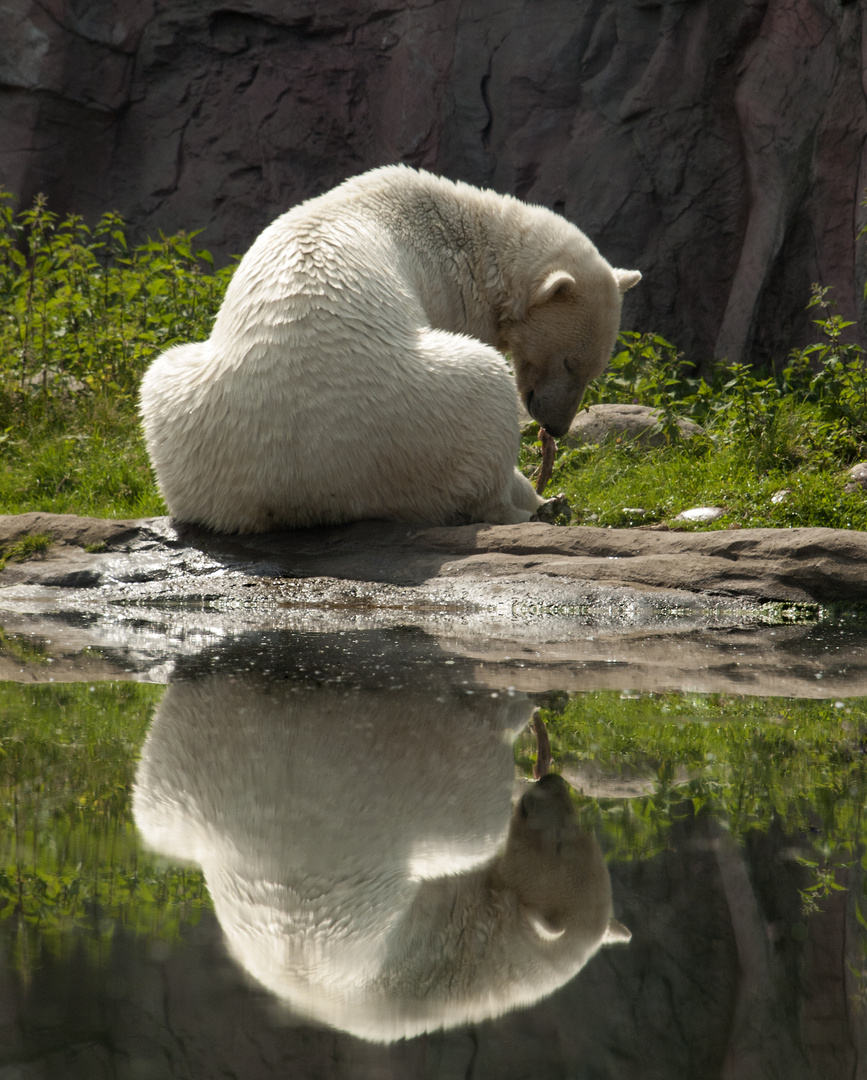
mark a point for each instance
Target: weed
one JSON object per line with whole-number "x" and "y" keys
{"x": 84, "y": 312}
{"x": 30, "y": 545}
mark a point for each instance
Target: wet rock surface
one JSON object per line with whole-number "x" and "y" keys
{"x": 545, "y": 607}
{"x": 720, "y": 148}
{"x": 473, "y": 567}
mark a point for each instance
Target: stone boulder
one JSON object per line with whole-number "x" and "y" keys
{"x": 857, "y": 478}
{"x": 632, "y": 423}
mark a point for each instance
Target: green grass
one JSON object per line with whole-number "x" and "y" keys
{"x": 83, "y": 458}
{"x": 82, "y": 314}
{"x": 796, "y": 430}
{"x": 606, "y": 485}
{"x": 29, "y": 546}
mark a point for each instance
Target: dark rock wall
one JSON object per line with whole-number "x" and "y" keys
{"x": 718, "y": 145}
{"x": 724, "y": 979}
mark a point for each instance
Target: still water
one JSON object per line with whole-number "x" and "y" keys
{"x": 325, "y": 855}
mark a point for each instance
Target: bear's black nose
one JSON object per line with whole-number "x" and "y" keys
{"x": 556, "y": 431}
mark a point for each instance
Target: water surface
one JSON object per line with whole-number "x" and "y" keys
{"x": 324, "y": 855}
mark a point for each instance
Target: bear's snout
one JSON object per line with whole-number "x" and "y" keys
{"x": 556, "y": 431}
{"x": 547, "y": 803}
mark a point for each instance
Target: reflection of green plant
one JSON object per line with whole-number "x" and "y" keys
{"x": 824, "y": 883}
{"x": 26, "y": 650}
{"x": 70, "y": 861}
{"x": 748, "y": 760}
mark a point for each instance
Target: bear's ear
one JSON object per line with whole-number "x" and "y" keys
{"x": 544, "y": 928}
{"x": 627, "y": 278}
{"x": 557, "y": 281}
{"x": 616, "y": 933}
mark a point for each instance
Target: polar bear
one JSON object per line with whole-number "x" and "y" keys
{"x": 362, "y": 852}
{"x": 356, "y": 369}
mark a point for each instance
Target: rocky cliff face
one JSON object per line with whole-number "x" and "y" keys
{"x": 719, "y": 145}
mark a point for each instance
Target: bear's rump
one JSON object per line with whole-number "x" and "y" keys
{"x": 421, "y": 431}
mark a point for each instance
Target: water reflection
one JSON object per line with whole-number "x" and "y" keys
{"x": 362, "y": 850}
{"x": 738, "y": 865}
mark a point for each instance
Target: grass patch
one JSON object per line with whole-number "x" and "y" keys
{"x": 86, "y": 457}
{"x": 82, "y": 314}
{"x": 33, "y": 544}
{"x": 611, "y": 485}
{"x": 790, "y": 435}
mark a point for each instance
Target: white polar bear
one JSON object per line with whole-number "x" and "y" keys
{"x": 362, "y": 852}
{"x": 356, "y": 370}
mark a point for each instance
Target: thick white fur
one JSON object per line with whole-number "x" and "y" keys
{"x": 353, "y": 844}
{"x": 355, "y": 369}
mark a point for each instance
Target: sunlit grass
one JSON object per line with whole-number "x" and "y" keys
{"x": 84, "y": 457}
{"x": 612, "y": 484}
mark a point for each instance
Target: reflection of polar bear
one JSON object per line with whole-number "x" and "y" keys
{"x": 353, "y": 371}
{"x": 353, "y": 847}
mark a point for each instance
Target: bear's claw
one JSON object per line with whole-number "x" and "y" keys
{"x": 555, "y": 511}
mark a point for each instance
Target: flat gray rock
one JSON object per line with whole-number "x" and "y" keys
{"x": 480, "y": 567}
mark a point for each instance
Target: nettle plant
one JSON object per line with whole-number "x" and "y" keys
{"x": 82, "y": 309}
{"x": 820, "y": 395}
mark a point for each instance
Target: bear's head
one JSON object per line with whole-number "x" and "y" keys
{"x": 556, "y": 871}
{"x": 562, "y": 336}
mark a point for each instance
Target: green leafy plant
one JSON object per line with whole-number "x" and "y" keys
{"x": 82, "y": 313}
{"x": 647, "y": 370}
{"x": 82, "y": 310}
